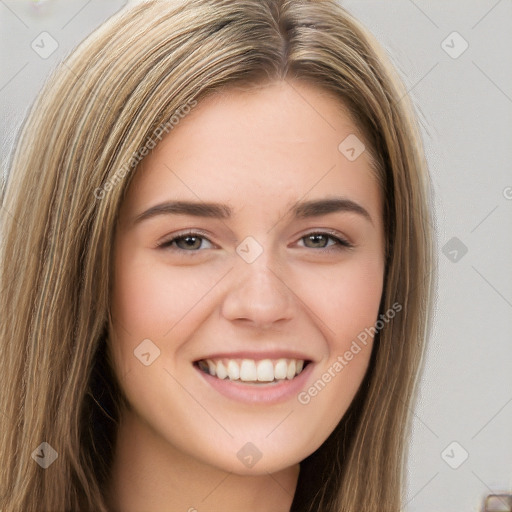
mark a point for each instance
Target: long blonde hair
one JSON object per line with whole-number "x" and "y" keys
{"x": 95, "y": 113}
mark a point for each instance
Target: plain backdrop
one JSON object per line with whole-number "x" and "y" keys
{"x": 454, "y": 57}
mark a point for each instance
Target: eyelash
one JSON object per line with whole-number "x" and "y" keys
{"x": 341, "y": 243}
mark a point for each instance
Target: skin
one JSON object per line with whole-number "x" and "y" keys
{"x": 257, "y": 151}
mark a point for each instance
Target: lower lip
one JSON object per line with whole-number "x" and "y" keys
{"x": 259, "y": 393}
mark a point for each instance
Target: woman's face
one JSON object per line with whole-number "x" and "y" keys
{"x": 260, "y": 288}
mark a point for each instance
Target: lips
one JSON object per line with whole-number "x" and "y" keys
{"x": 250, "y": 370}
{"x": 255, "y": 392}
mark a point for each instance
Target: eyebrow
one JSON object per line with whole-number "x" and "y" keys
{"x": 299, "y": 210}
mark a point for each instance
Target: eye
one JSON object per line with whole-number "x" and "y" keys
{"x": 190, "y": 242}
{"x": 319, "y": 239}
{"x": 193, "y": 241}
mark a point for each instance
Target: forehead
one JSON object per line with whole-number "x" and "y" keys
{"x": 276, "y": 142}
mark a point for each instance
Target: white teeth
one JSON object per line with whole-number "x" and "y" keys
{"x": 221, "y": 370}
{"x": 281, "y": 369}
{"x": 265, "y": 371}
{"x": 211, "y": 367}
{"x": 233, "y": 370}
{"x": 291, "y": 370}
{"x": 249, "y": 370}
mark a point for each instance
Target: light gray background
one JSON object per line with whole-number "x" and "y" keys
{"x": 465, "y": 106}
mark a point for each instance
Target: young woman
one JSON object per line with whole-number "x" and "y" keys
{"x": 216, "y": 269}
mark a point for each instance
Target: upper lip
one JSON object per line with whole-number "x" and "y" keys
{"x": 257, "y": 355}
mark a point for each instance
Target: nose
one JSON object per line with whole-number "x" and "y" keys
{"x": 257, "y": 295}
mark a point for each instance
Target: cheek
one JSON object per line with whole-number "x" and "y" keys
{"x": 150, "y": 297}
{"x": 142, "y": 308}
{"x": 348, "y": 304}
{"x": 346, "y": 299}
{"x": 153, "y": 300}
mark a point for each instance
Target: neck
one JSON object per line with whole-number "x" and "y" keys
{"x": 151, "y": 475}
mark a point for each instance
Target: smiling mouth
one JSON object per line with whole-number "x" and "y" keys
{"x": 250, "y": 371}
